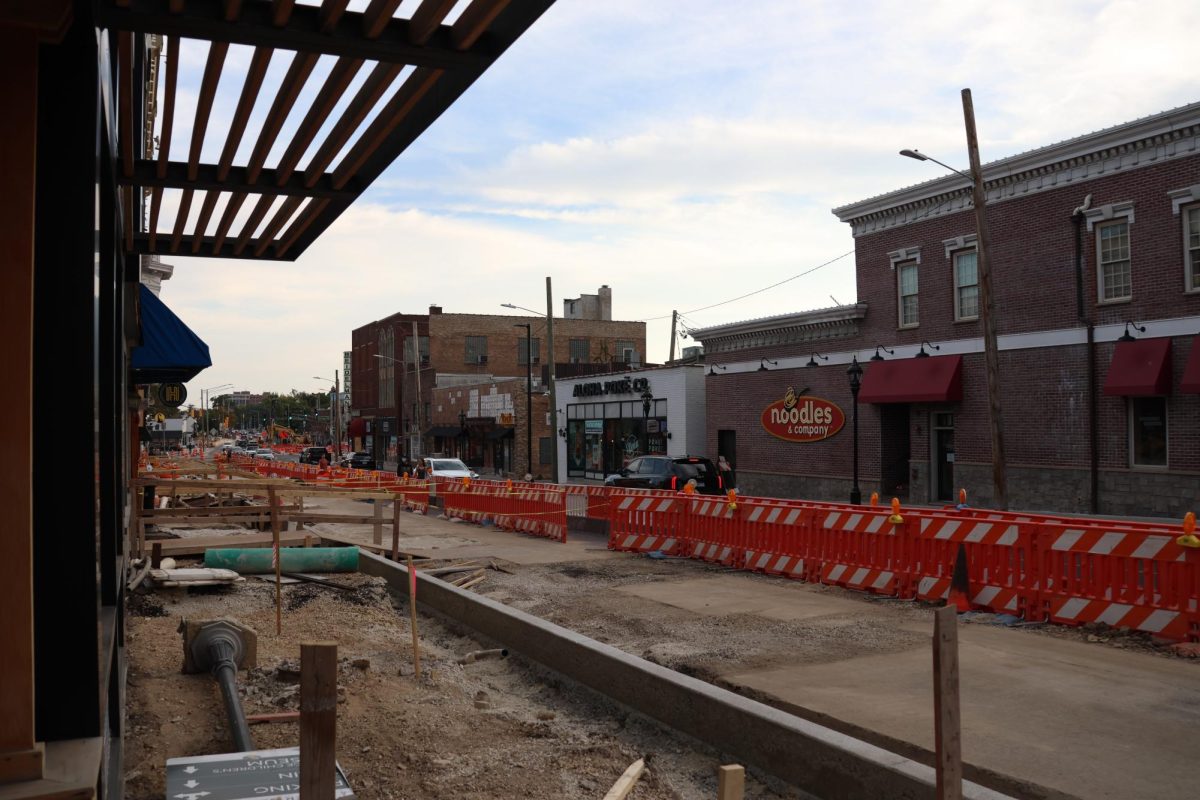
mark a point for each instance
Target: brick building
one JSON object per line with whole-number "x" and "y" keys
{"x": 458, "y": 349}
{"x": 1087, "y": 235}
{"x": 485, "y": 423}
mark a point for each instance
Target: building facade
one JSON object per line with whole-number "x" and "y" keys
{"x": 608, "y": 420}
{"x": 393, "y": 385}
{"x": 489, "y": 426}
{"x": 1095, "y": 257}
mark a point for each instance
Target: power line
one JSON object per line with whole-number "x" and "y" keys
{"x": 757, "y": 291}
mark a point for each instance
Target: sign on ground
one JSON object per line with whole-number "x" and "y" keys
{"x": 256, "y": 775}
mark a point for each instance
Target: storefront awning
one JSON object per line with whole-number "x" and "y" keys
{"x": 444, "y": 431}
{"x": 1191, "y": 372}
{"x": 1140, "y": 368}
{"x": 357, "y": 427}
{"x": 501, "y": 433}
{"x": 169, "y": 351}
{"x": 936, "y": 379}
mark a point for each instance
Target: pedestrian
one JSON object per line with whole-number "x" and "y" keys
{"x": 323, "y": 464}
{"x": 726, "y": 470}
{"x": 401, "y": 467}
{"x": 420, "y": 471}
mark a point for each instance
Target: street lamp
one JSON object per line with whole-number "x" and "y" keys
{"x": 335, "y": 413}
{"x": 549, "y": 316}
{"x": 528, "y": 395}
{"x": 204, "y": 404}
{"x": 462, "y": 434}
{"x": 855, "y": 372}
{"x": 991, "y": 352}
{"x": 396, "y": 395}
{"x": 647, "y": 400}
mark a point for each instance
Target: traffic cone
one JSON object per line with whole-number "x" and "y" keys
{"x": 1189, "y": 538}
{"x": 960, "y": 586}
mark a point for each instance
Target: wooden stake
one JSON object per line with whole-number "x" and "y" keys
{"x": 731, "y": 782}
{"x": 155, "y": 555}
{"x": 377, "y": 531}
{"x": 412, "y": 606}
{"x": 396, "y": 529}
{"x": 318, "y": 719}
{"x": 626, "y": 782}
{"x": 277, "y": 559}
{"x": 947, "y": 732}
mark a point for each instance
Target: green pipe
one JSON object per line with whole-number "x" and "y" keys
{"x": 257, "y": 560}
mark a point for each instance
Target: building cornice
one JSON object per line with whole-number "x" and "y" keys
{"x": 1140, "y": 143}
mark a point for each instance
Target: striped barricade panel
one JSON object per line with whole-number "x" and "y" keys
{"x": 1000, "y": 561}
{"x": 859, "y": 550}
{"x": 1122, "y": 578}
{"x": 710, "y": 528}
{"x": 775, "y": 538}
{"x": 644, "y": 522}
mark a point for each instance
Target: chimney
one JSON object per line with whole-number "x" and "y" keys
{"x": 435, "y": 310}
{"x": 605, "y": 303}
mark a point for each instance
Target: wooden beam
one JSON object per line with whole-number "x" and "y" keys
{"x": 331, "y": 11}
{"x": 21, "y": 758}
{"x": 297, "y": 74}
{"x": 250, "y": 89}
{"x": 206, "y": 210}
{"x": 368, "y": 95}
{"x": 164, "y": 137}
{"x": 255, "y": 219}
{"x": 474, "y": 22}
{"x": 624, "y": 785}
{"x": 125, "y": 100}
{"x": 208, "y": 91}
{"x": 377, "y": 528}
{"x": 340, "y": 76}
{"x": 947, "y": 722}
{"x": 281, "y": 12}
{"x": 181, "y": 217}
{"x": 427, "y": 18}
{"x": 377, "y": 16}
{"x": 231, "y": 210}
{"x": 301, "y": 32}
{"x": 284, "y": 213}
{"x": 318, "y": 719}
{"x": 731, "y": 782}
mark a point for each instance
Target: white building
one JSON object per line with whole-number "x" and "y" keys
{"x": 608, "y": 420}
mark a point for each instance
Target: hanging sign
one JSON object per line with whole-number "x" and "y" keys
{"x": 802, "y": 418}
{"x": 171, "y": 395}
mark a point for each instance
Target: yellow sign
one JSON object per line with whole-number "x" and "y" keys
{"x": 160, "y": 417}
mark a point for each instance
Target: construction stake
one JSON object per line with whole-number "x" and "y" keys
{"x": 412, "y": 607}
{"x": 731, "y": 782}
{"x": 275, "y": 556}
{"x": 947, "y": 732}
{"x": 627, "y": 781}
{"x": 318, "y": 719}
{"x": 396, "y": 528}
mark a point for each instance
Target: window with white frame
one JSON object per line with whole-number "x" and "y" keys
{"x": 535, "y": 345}
{"x": 906, "y": 280}
{"x": 966, "y": 285}
{"x": 1191, "y": 246}
{"x": 579, "y": 351}
{"x": 1112, "y": 258}
{"x": 1148, "y": 431}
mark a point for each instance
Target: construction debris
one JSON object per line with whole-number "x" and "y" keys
{"x": 193, "y": 576}
{"x": 627, "y": 781}
{"x": 479, "y": 655}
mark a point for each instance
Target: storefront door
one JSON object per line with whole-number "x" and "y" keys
{"x": 894, "y": 446}
{"x": 943, "y": 456}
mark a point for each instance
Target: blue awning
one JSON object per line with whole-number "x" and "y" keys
{"x": 170, "y": 351}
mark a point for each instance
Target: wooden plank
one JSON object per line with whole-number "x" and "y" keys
{"x": 278, "y": 562}
{"x": 318, "y": 719}
{"x": 395, "y": 530}
{"x": 947, "y": 732}
{"x": 250, "y": 89}
{"x": 377, "y": 529}
{"x": 624, "y": 785}
{"x": 412, "y": 609}
{"x": 731, "y": 782}
{"x": 199, "y": 544}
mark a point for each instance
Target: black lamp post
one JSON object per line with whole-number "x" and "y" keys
{"x": 855, "y": 372}
{"x": 528, "y": 395}
{"x": 647, "y": 399}
{"x": 462, "y": 436}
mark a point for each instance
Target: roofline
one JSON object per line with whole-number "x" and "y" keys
{"x": 1016, "y": 166}
{"x": 796, "y": 319}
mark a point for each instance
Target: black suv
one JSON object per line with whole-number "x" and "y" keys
{"x": 665, "y": 472}
{"x": 313, "y": 455}
{"x": 359, "y": 461}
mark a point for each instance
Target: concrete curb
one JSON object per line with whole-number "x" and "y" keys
{"x": 821, "y": 761}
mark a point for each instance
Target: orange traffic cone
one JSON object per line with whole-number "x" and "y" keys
{"x": 960, "y": 585}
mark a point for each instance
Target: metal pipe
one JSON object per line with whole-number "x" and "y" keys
{"x": 225, "y": 672}
{"x": 1077, "y": 219}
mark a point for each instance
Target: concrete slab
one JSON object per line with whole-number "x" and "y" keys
{"x": 743, "y": 594}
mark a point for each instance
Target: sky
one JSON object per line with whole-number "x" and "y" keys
{"x": 683, "y": 152}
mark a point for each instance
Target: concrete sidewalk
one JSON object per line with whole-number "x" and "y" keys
{"x": 1080, "y": 719}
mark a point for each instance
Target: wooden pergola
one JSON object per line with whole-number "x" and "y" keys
{"x": 428, "y": 63}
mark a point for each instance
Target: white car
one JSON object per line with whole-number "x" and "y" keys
{"x": 448, "y": 468}
{"x": 264, "y": 452}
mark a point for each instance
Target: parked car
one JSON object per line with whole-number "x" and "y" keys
{"x": 359, "y": 461}
{"x": 448, "y": 468}
{"x": 265, "y": 453}
{"x": 313, "y": 455}
{"x": 672, "y": 473}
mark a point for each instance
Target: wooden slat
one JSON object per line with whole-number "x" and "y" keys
{"x": 426, "y": 19}
{"x": 340, "y": 76}
{"x": 210, "y": 202}
{"x": 155, "y": 207}
{"x": 168, "y": 125}
{"x": 418, "y": 83}
{"x": 208, "y": 90}
{"x": 474, "y": 21}
{"x": 284, "y": 213}
{"x": 175, "y": 6}
{"x": 256, "y": 217}
{"x": 233, "y": 9}
{"x": 235, "y": 180}
{"x": 377, "y": 16}
{"x": 127, "y": 197}
{"x": 331, "y": 12}
{"x": 281, "y": 12}
{"x": 231, "y": 210}
{"x": 301, "y": 67}
{"x": 302, "y": 223}
{"x": 197, "y": 545}
{"x": 185, "y": 208}
{"x": 318, "y": 719}
{"x": 368, "y": 95}
{"x": 250, "y": 89}
{"x": 125, "y": 99}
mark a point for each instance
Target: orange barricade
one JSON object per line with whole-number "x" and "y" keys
{"x": 645, "y": 520}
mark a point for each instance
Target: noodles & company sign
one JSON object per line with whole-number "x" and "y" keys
{"x": 800, "y": 418}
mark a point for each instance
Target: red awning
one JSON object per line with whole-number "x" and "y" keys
{"x": 936, "y": 379}
{"x": 1139, "y": 368}
{"x": 1191, "y": 372}
{"x": 357, "y": 427}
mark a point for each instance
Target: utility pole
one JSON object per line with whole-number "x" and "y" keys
{"x": 674, "y": 320}
{"x": 550, "y": 375}
{"x": 991, "y": 354}
{"x": 420, "y": 401}
{"x": 336, "y": 416}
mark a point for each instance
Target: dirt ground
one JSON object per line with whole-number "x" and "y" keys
{"x": 398, "y": 737}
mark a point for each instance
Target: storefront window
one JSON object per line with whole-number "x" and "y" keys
{"x": 1148, "y": 431}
